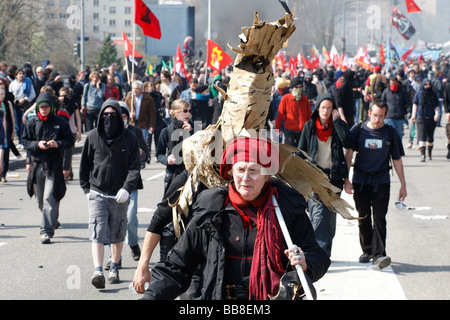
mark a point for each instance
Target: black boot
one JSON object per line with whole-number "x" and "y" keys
{"x": 422, "y": 154}
{"x": 448, "y": 153}
{"x": 430, "y": 148}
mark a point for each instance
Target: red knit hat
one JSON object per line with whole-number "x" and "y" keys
{"x": 248, "y": 149}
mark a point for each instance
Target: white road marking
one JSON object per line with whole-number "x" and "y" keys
{"x": 156, "y": 176}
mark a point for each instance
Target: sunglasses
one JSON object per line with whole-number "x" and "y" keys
{"x": 187, "y": 110}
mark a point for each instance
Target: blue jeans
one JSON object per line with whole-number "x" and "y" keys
{"x": 323, "y": 221}
{"x": 397, "y": 124}
{"x": 91, "y": 118}
{"x": 148, "y": 141}
{"x": 18, "y": 113}
{"x": 132, "y": 224}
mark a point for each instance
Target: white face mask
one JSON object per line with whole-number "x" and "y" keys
{"x": 297, "y": 93}
{"x": 125, "y": 123}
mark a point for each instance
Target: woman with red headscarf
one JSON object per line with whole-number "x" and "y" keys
{"x": 235, "y": 235}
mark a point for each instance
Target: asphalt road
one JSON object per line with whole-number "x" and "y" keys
{"x": 418, "y": 240}
{"x": 62, "y": 269}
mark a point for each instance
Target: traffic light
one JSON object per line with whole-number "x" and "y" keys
{"x": 76, "y": 49}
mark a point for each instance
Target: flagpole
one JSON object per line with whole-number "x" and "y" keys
{"x": 125, "y": 55}
{"x": 132, "y": 67}
{"x": 209, "y": 38}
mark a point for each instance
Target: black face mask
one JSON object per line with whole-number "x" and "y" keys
{"x": 111, "y": 126}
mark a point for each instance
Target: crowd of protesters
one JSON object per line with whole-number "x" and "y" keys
{"x": 412, "y": 100}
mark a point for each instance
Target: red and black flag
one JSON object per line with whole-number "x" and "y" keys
{"x": 145, "y": 18}
{"x": 128, "y": 48}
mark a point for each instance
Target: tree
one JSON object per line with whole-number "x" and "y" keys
{"x": 19, "y": 21}
{"x": 108, "y": 53}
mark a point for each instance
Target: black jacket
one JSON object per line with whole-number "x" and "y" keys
{"x": 143, "y": 146}
{"x": 203, "y": 244}
{"x": 167, "y": 147}
{"x": 341, "y": 138}
{"x": 109, "y": 168}
{"x": 447, "y": 97}
{"x": 399, "y": 103}
{"x": 343, "y": 96}
{"x": 55, "y": 128}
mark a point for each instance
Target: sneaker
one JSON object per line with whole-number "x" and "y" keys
{"x": 98, "y": 280}
{"x": 113, "y": 276}
{"x": 382, "y": 262}
{"x": 135, "y": 252}
{"x": 45, "y": 239}
{"x": 364, "y": 258}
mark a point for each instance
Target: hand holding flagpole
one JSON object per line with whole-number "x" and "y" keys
{"x": 290, "y": 244}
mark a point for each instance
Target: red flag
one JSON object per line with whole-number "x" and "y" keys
{"x": 217, "y": 59}
{"x": 412, "y": 6}
{"x": 280, "y": 60}
{"x": 315, "y": 62}
{"x": 128, "y": 47}
{"x": 326, "y": 54}
{"x": 306, "y": 62}
{"x": 179, "y": 65}
{"x": 382, "y": 57}
{"x": 421, "y": 60}
{"x": 145, "y": 18}
{"x": 293, "y": 66}
{"x": 408, "y": 52}
{"x": 362, "y": 58}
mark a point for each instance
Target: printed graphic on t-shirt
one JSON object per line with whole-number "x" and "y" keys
{"x": 373, "y": 144}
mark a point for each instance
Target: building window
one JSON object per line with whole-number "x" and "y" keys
{"x": 112, "y": 23}
{"x": 112, "y": 10}
{"x": 127, "y": 10}
{"x": 127, "y": 23}
{"x": 96, "y": 3}
{"x": 96, "y": 29}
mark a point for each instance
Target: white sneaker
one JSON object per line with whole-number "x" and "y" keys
{"x": 113, "y": 276}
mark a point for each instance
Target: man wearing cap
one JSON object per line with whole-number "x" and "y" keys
{"x": 295, "y": 110}
{"x": 45, "y": 137}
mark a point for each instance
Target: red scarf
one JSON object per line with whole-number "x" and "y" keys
{"x": 267, "y": 267}
{"x": 324, "y": 132}
{"x": 42, "y": 117}
{"x": 339, "y": 84}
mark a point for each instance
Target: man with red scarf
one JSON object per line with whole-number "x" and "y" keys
{"x": 234, "y": 233}
{"x": 324, "y": 138}
{"x": 46, "y": 136}
{"x": 398, "y": 102}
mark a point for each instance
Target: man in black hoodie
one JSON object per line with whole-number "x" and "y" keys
{"x": 109, "y": 172}
{"x": 46, "y": 136}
